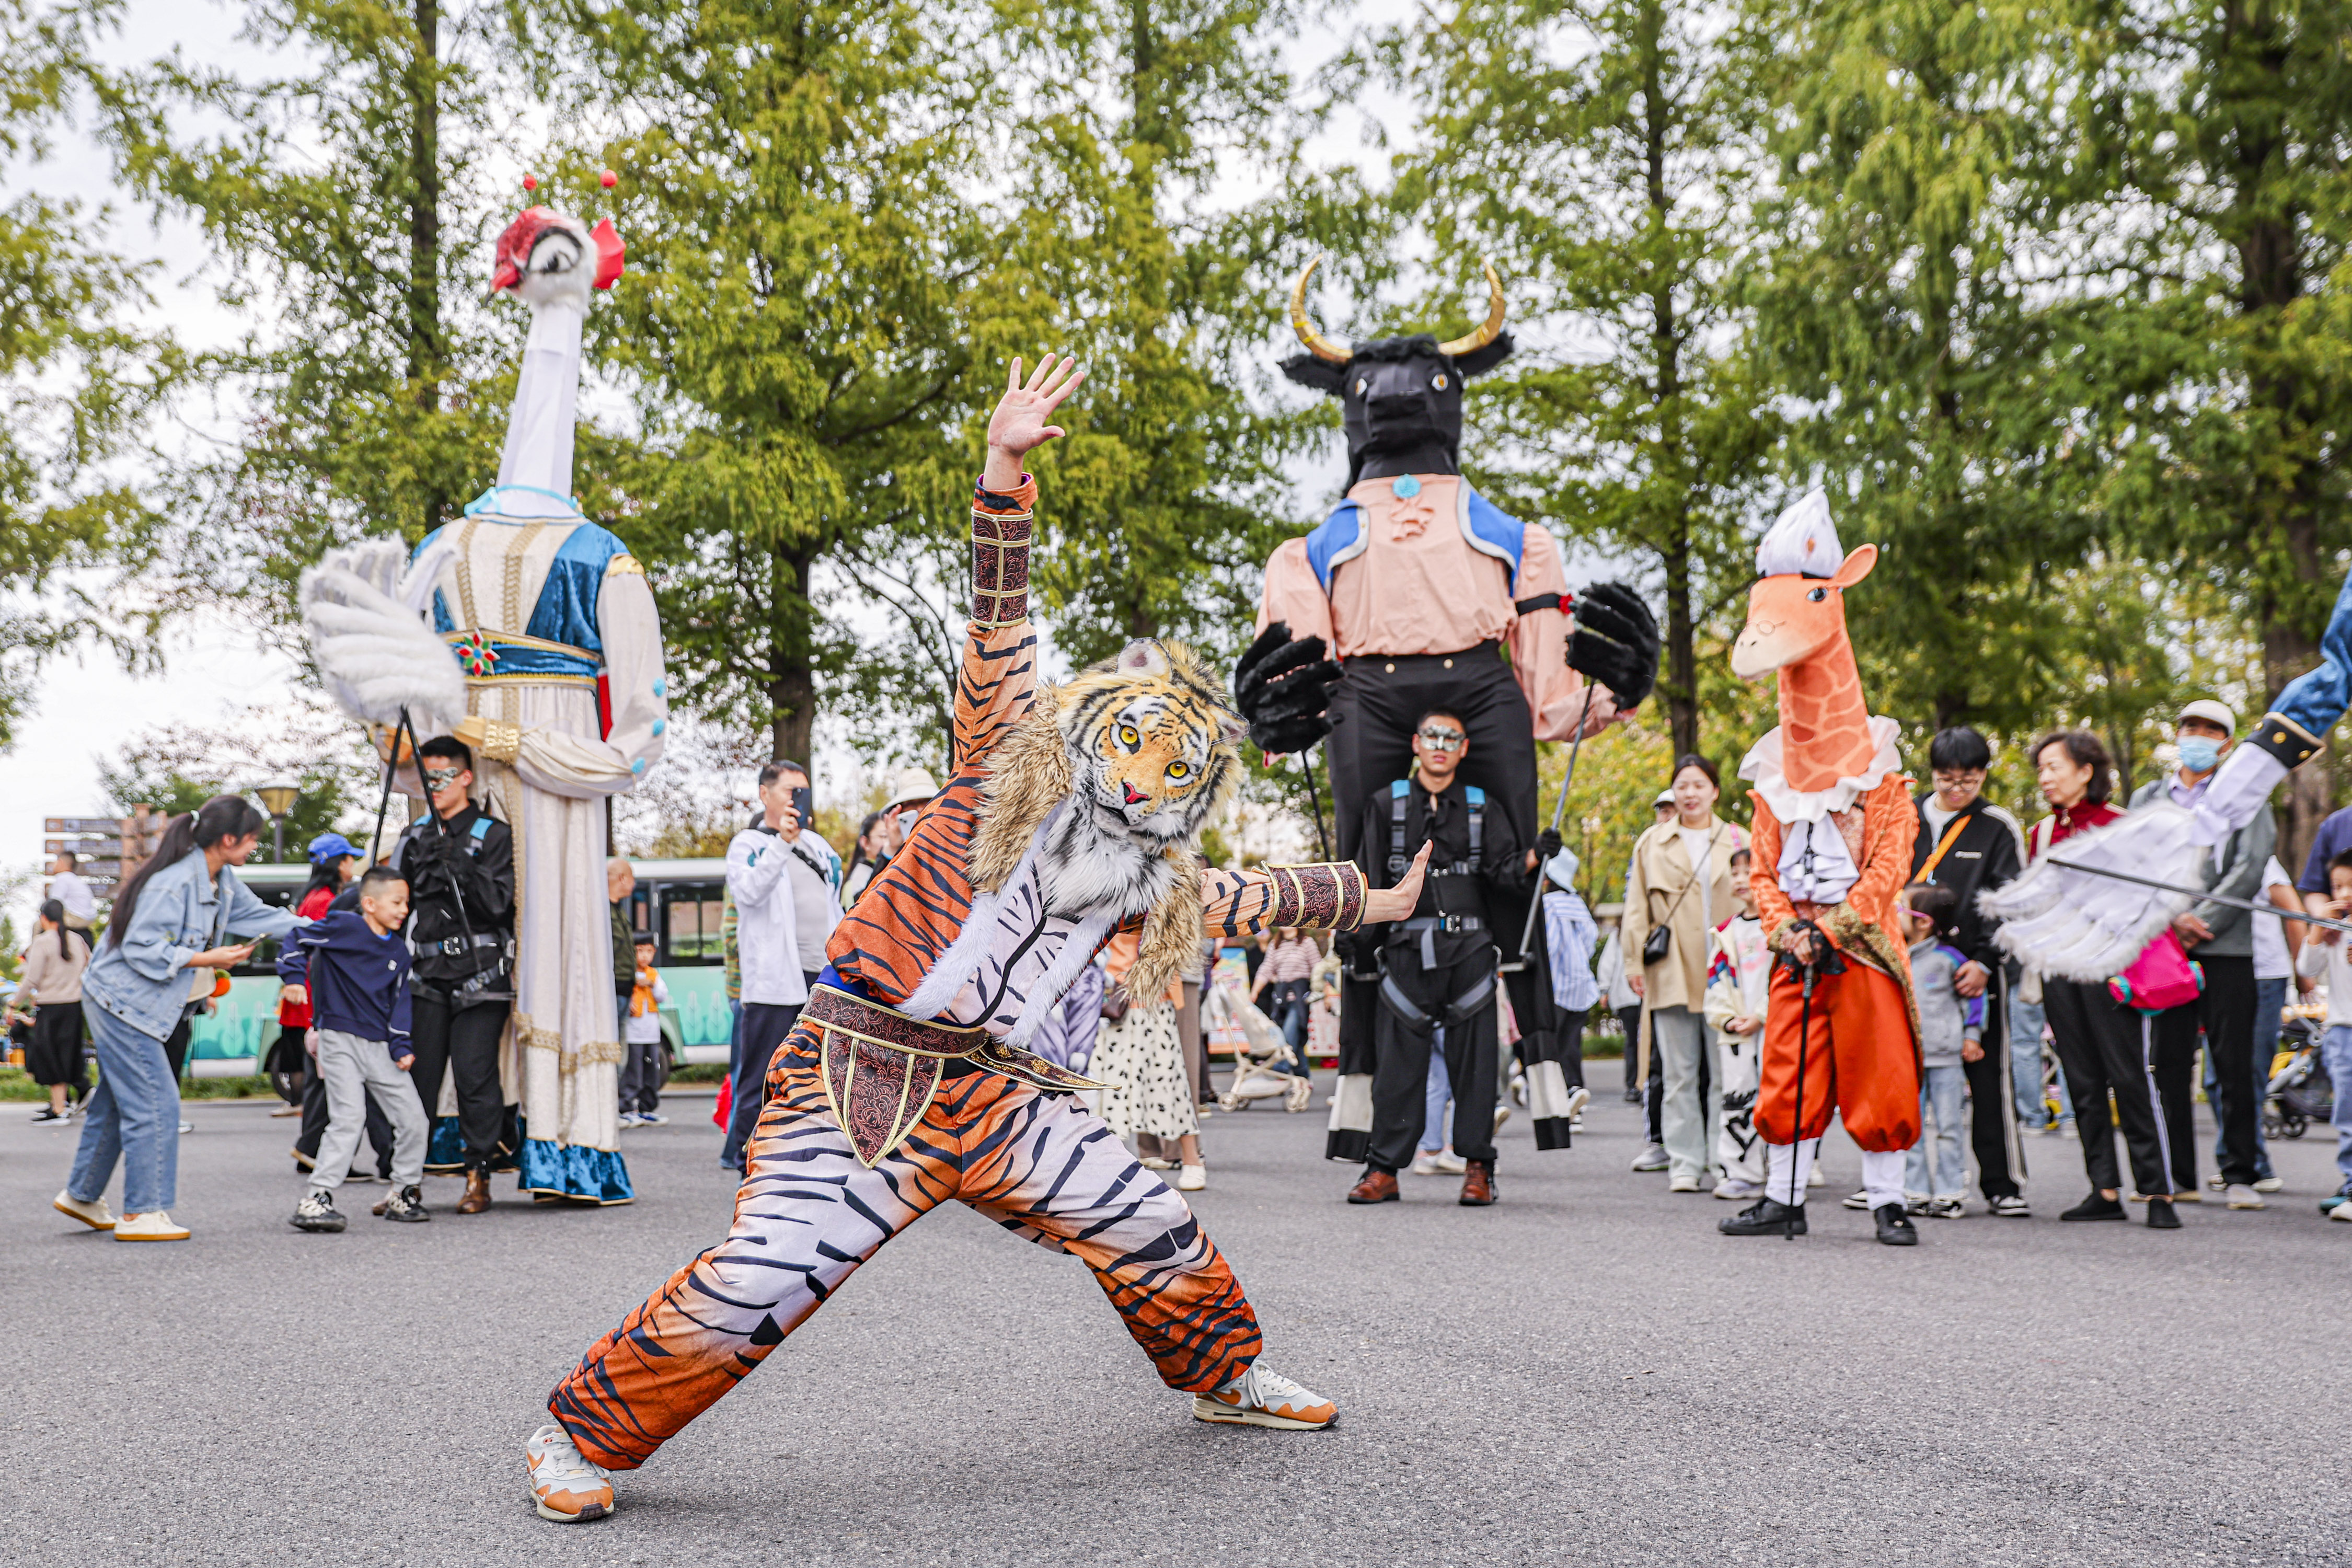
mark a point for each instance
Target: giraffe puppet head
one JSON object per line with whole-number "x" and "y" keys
{"x": 1796, "y": 625}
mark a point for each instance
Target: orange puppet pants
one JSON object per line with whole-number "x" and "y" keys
{"x": 1859, "y": 1060}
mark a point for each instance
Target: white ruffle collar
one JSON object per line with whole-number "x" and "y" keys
{"x": 1761, "y": 767}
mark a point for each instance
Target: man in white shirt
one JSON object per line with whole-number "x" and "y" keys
{"x": 815, "y": 871}
{"x": 67, "y": 887}
{"x": 767, "y": 943}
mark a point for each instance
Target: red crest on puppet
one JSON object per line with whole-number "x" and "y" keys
{"x": 514, "y": 247}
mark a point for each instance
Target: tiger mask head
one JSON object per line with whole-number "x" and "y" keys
{"x": 1151, "y": 743}
{"x": 1143, "y": 749}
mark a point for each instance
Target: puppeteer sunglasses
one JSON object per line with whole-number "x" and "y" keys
{"x": 439, "y": 779}
{"x": 1444, "y": 740}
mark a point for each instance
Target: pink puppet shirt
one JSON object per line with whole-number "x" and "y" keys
{"x": 1421, "y": 587}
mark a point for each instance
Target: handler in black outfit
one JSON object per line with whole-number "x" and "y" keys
{"x": 1438, "y": 968}
{"x": 460, "y": 862}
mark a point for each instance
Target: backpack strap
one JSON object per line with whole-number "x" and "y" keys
{"x": 1400, "y": 794}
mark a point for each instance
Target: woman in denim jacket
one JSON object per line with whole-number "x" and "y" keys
{"x": 170, "y": 918}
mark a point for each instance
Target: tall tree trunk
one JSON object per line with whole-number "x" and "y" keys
{"x": 424, "y": 353}
{"x": 792, "y": 669}
{"x": 1666, "y": 351}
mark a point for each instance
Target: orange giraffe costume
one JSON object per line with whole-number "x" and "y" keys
{"x": 1833, "y": 826}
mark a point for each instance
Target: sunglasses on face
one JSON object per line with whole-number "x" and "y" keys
{"x": 439, "y": 779}
{"x": 1444, "y": 740}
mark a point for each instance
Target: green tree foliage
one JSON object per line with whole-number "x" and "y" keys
{"x": 344, "y": 204}
{"x": 177, "y": 767}
{"x": 1902, "y": 310}
{"x": 1602, "y": 154}
{"x": 801, "y": 241}
{"x": 77, "y": 377}
{"x": 1172, "y": 488}
{"x": 2214, "y": 228}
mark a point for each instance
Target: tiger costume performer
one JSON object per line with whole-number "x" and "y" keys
{"x": 1071, "y": 814}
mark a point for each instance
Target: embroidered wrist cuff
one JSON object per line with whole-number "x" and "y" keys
{"x": 1000, "y": 559}
{"x": 1318, "y": 898}
{"x": 2285, "y": 739}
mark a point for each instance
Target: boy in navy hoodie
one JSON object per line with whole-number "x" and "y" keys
{"x": 355, "y": 962}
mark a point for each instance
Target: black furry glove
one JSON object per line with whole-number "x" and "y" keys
{"x": 1615, "y": 642}
{"x": 1283, "y": 688}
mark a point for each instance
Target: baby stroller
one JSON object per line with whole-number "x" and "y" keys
{"x": 2300, "y": 1092}
{"x": 1258, "y": 1066}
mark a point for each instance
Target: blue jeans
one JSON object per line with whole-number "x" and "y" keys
{"x": 2025, "y": 1022}
{"x": 135, "y": 1117}
{"x": 1941, "y": 1090}
{"x": 2335, "y": 1052}
{"x": 1440, "y": 1090}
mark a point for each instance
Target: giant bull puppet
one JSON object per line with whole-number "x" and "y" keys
{"x": 1429, "y": 596}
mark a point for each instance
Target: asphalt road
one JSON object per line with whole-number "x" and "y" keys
{"x": 1584, "y": 1373}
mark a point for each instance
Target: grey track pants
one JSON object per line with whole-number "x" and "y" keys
{"x": 352, "y": 1069}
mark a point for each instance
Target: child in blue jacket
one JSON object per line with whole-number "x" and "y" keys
{"x": 1951, "y": 1029}
{"x": 355, "y": 963}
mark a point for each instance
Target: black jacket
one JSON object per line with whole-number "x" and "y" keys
{"x": 461, "y": 884}
{"x": 1984, "y": 855}
{"x": 1452, "y": 888}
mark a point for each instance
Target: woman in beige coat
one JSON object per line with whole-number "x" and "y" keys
{"x": 1666, "y": 891}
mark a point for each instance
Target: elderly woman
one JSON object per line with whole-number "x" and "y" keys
{"x": 1681, "y": 887}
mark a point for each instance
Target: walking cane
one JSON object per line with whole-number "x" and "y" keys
{"x": 1559, "y": 816}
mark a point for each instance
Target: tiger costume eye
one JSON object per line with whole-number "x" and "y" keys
{"x": 1178, "y": 770}
{"x": 1127, "y": 737}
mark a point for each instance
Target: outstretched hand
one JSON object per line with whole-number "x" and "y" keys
{"x": 1019, "y": 426}
{"x": 1382, "y": 905}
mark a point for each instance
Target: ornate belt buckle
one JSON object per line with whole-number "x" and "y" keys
{"x": 877, "y": 1095}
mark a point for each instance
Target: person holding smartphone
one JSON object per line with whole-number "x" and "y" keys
{"x": 767, "y": 940}
{"x": 171, "y": 934}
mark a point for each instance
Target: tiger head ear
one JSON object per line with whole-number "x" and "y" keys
{"x": 1144, "y": 656}
{"x": 1232, "y": 728}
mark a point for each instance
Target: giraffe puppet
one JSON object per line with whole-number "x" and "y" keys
{"x": 1833, "y": 827}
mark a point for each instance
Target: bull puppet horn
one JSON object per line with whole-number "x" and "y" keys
{"x": 1318, "y": 346}
{"x": 1485, "y": 332}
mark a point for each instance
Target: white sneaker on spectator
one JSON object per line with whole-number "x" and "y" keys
{"x": 1946, "y": 1208}
{"x": 1653, "y": 1157}
{"x": 2010, "y": 1208}
{"x": 2270, "y": 1184}
{"x": 1738, "y": 1189}
{"x": 564, "y": 1487}
{"x": 1860, "y": 1200}
{"x": 2240, "y": 1197}
{"x": 1816, "y": 1179}
{"x": 94, "y": 1213}
{"x": 154, "y": 1226}
{"x": 1192, "y": 1178}
{"x": 1682, "y": 1184}
{"x": 651, "y": 1119}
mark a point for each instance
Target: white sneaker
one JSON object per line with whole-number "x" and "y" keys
{"x": 652, "y": 1119}
{"x": 2270, "y": 1184}
{"x": 1739, "y": 1188}
{"x": 1154, "y": 1163}
{"x": 2239, "y": 1197}
{"x": 564, "y": 1487}
{"x": 94, "y": 1213}
{"x": 1816, "y": 1179}
{"x": 155, "y": 1226}
{"x": 628, "y": 1119}
{"x": 1502, "y": 1114}
{"x": 1859, "y": 1201}
{"x": 1262, "y": 1398}
{"x": 1682, "y": 1184}
{"x": 1577, "y": 1099}
{"x": 1653, "y": 1157}
{"x": 1192, "y": 1178}
{"x": 187, "y": 1127}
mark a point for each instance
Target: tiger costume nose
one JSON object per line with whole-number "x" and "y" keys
{"x": 1133, "y": 794}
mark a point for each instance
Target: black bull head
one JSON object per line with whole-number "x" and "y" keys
{"x": 1399, "y": 398}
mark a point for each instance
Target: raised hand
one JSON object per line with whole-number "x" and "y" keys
{"x": 1382, "y": 905}
{"x": 1614, "y": 641}
{"x": 1283, "y": 688}
{"x": 1019, "y": 426}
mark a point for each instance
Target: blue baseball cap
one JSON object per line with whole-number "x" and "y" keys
{"x": 330, "y": 847}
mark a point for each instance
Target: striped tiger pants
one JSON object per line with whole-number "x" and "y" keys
{"x": 808, "y": 1214}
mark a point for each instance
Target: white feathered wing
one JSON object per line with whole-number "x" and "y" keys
{"x": 376, "y": 653}
{"x": 2076, "y": 925}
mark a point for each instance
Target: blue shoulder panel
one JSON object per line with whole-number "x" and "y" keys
{"x": 1475, "y": 795}
{"x": 566, "y": 612}
{"x": 1492, "y": 531}
{"x": 1339, "y": 538}
{"x": 1396, "y": 789}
